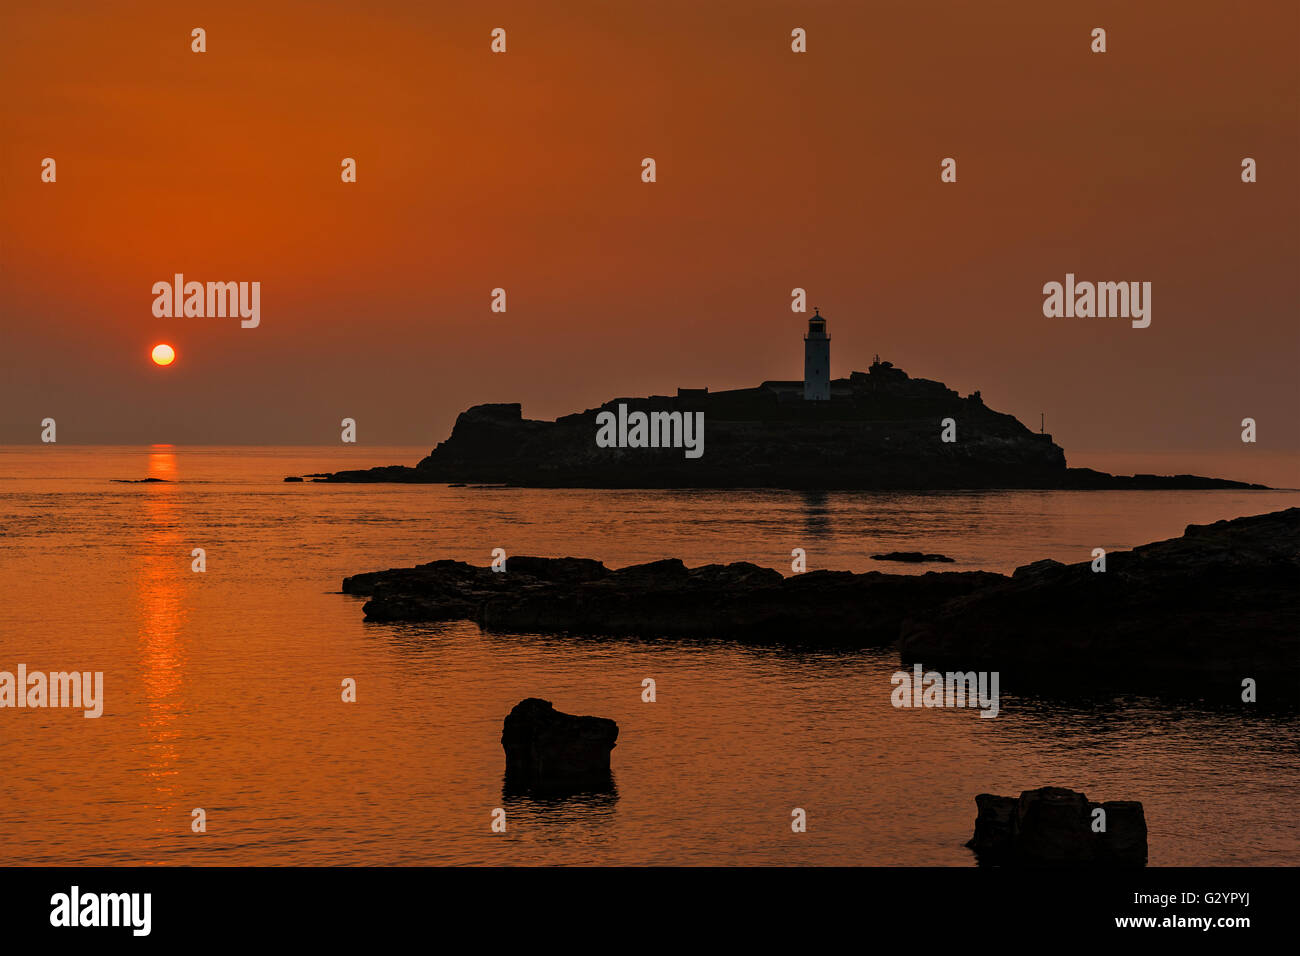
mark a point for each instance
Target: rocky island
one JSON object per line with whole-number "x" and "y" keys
{"x": 875, "y": 430}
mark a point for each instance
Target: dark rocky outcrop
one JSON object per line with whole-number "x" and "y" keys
{"x": 737, "y": 601}
{"x": 1215, "y": 606}
{"x": 550, "y": 751}
{"x": 1195, "y": 614}
{"x": 912, "y": 557}
{"x": 1086, "y": 479}
{"x": 881, "y": 429}
{"x": 1052, "y": 826}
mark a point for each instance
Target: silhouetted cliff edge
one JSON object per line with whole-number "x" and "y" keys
{"x": 881, "y": 429}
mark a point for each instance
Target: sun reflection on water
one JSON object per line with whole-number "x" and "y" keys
{"x": 162, "y": 615}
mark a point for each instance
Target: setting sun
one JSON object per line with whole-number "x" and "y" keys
{"x": 163, "y": 354}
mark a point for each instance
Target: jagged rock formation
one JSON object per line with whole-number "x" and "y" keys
{"x": 1052, "y": 826}
{"x": 1220, "y": 603}
{"x": 738, "y": 601}
{"x": 549, "y": 750}
{"x": 881, "y": 429}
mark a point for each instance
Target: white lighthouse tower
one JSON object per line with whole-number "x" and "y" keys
{"x": 816, "y": 361}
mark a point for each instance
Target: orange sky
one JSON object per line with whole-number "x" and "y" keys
{"x": 522, "y": 170}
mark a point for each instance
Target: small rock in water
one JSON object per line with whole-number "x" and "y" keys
{"x": 913, "y": 556}
{"x": 1052, "y": 826}
{"x": 553, "y": 751}
{"x": 293, "y": 478}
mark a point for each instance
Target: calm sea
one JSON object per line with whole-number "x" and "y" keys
{"x": 223, "y": 688}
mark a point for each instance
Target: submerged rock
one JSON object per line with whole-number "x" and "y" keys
{"x": 1052, "y": 826}
{"x": 914, "y": 557}
{"x": 551, "y": 751}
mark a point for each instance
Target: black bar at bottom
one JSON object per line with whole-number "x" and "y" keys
{"x": 563, "y": 906}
